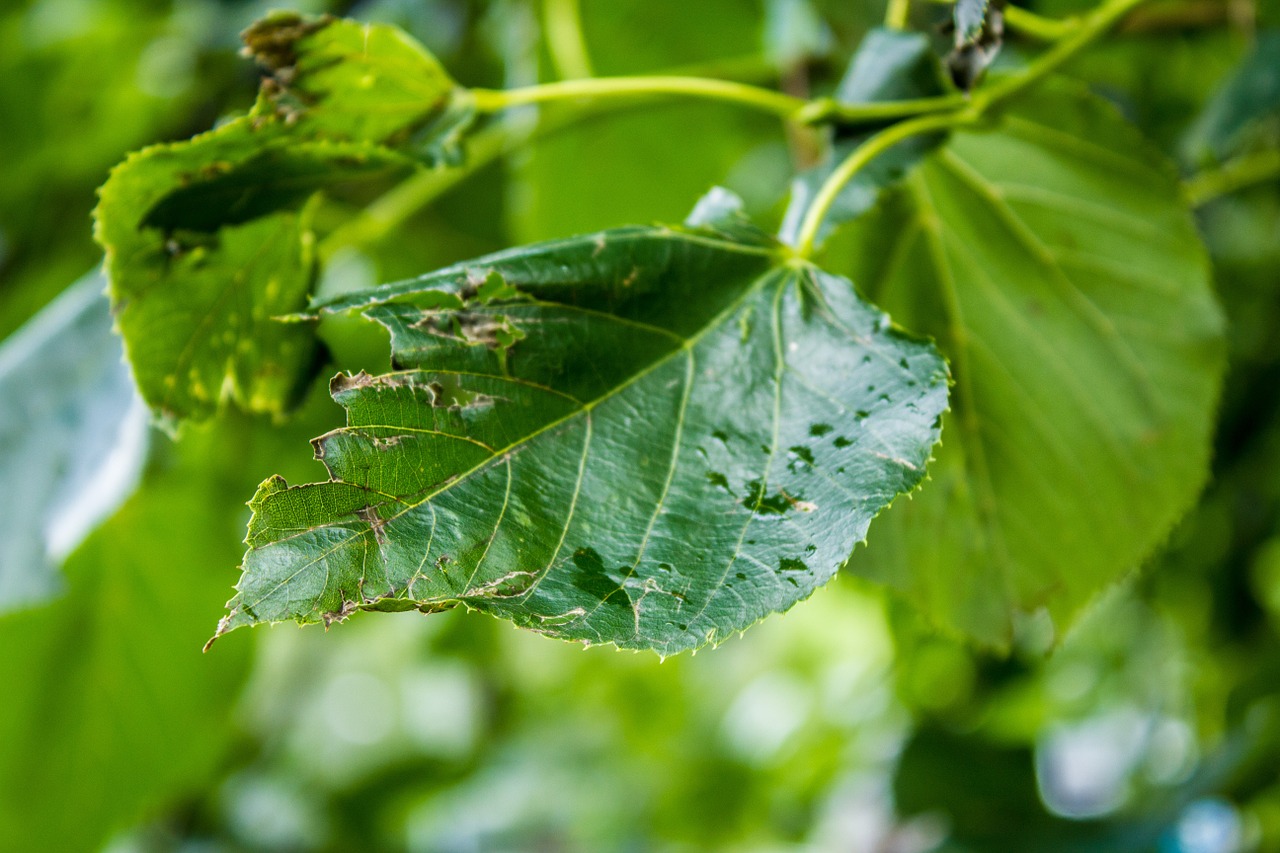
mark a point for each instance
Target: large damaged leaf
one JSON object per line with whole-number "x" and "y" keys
{"x": 1071, "y": 295}
{"x": 208, "y": 240}
{"x": 648, "y": 436}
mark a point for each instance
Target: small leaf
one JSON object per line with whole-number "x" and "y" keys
{"x": 890, "y": 65}
{"x": 72, "y": 442}
{"x": 1072, "y": 298}
{"x": 649, "y": 436}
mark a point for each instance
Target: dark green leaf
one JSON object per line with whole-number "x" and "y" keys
{"x": 72, "y": 439}
{"x": 652, "y": 437}
{"x": 1072, "y": 297}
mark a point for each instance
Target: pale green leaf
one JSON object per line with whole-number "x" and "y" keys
{"x": 333, "y": 78}
{"x": 73, "y": 437}
{"x": 113, "y": 713}
{"x": 1055, "y": 263}
{"x": 649, "y": 436}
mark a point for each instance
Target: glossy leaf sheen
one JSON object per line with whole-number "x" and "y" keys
{"x": 649, "y": 436}
{"x": 1071, "y": 294}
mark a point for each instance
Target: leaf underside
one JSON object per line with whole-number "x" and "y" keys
{"x": 650, "y": 436}
{"x": 1056, "y": 265}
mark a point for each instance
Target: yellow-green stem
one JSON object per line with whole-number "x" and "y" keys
{"x": 897, "y": 15}
{"x": 562, "y": 24}
{"x": 807, "y": 238}
{"x": 1038, "y": 27}
{"x": 1245, "y": 171}
{"x": 766, "y": 100}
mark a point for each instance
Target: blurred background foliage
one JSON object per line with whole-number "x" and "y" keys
{"x": 845, "y": 725}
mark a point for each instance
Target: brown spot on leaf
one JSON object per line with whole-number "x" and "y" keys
{"x": 348, "y": 607}
{"x": 369, "y": 515}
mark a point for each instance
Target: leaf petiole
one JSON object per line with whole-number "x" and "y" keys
{"x": 807, "y": 237}
{"x": 786, "y": 107}
{"x": 776, "y": 103}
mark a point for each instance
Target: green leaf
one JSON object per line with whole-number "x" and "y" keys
{"x": 116, "y": 714}
{"x": 649, "y": 436}
{"x": 1248, "y": 101}
{"x": 1072, "y": 297}
{"x": 348, "y": 80}
{"x": 195, "y": 306}
{"x": 890, "y": 65}
{"x": 72, "y": 442}
{"x": 208, "y": 240}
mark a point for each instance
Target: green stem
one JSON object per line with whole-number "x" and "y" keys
{"x": 921, "y": 116}
{"x": 766, "y": 100}
{"x": 388, "y": 212}
{"x": 562, "y": 23}
{"x": 831, "y": 110}
{"x": 1037, "y": 26}
{"x": 1030, "y": 24}
{"x": 1090, "y": 28}
{"x": 1245, "y": 171}
{"x": 786, "y": 107}
{"x": 807, "y": 237}
{"x": 898, "y": 14}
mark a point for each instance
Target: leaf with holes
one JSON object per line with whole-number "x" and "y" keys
{"x": 1071, "y": 295}
{"x": 649, "y": 436}
{"x": 207, "y": 240}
